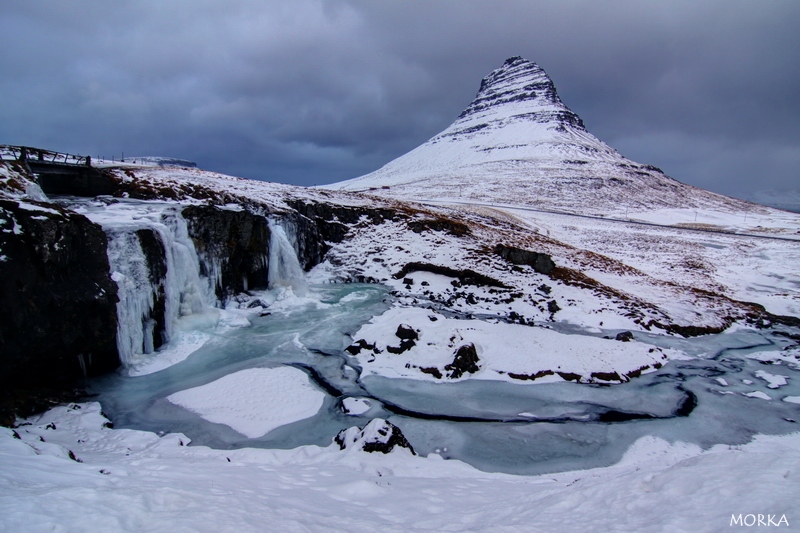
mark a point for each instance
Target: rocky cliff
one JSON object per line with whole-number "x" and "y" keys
{"x": 236, "y": 243}
{"x": 58, "y": 320}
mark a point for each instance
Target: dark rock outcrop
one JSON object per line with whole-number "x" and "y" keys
{"x": 531, "y": 377}
{"x": 624, "y": 336}
{"x": 465, "y": 277}
{"x": 570, "y": 376}
{"x": 73, "y": 180}
{"x": 408, "y": 337}
{"x": 377, "y": 436}
{"x": 608, "y": 376}
{"x": 155, "y": 255}
{"x": 318, "y": 224}
{"x": 312, "y": 237}
{"x": 406, "y": 332}
{"x": 58, "y": 321}
{"x": 405, "y": 345}
{"x": 432, "y": 370}
{"x": 466, "y": 360}
{"x": 440, "y": 224}
{"x": 361, "y": 344}
{"x": 541, "y": 263}
{"x": 236, "y": 241}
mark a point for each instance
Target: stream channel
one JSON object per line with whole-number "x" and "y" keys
{"x": 524, "y": 428}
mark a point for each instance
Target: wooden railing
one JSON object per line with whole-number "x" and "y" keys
{"x": 38, "y": 155}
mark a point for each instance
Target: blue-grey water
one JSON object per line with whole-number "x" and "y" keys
{"x": 521, "y": 428}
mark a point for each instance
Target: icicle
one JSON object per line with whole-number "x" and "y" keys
{"x": 284, "y": 267}
{"x": 82, "y": 363}
{"x": 130, "y": 272}
{"x": 212, "y": 267}
{"x": 182, "y": 289}
{"x": 186, "y": 293}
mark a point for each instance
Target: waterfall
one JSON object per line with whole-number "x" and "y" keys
{"x": 136, "y": 293}
{"x": 187, "y": 292}
{"x": 161, "y": 275}
{"x": 181, "y": 287}
{"x": 284, "y": 267}
{"x": 211, "y": 267}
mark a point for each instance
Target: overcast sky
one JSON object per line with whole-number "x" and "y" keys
{"x": 312, "y": 91}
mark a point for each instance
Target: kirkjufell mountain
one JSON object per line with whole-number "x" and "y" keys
{"x": 518, "y": 144}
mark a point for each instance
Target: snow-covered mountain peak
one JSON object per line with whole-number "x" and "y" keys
{"x": 521, "y": 89}
{"x": 517, "y": 144}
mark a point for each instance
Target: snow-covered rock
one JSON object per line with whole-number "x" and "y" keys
{"x": 378, "y": 436}
{"x": 454, "y": 349}
{"x": 58, "y": 315}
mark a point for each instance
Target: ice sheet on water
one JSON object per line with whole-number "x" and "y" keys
{"x": 254, "y": 401}
{"x": 299, "y": 334}
{"x": 498, "y": 400}
{"x": 593, "y": 424}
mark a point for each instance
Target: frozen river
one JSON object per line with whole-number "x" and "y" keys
{"x": 729, "y": 387}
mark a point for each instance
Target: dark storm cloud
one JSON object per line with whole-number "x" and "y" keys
{"x": 314, "y": 91}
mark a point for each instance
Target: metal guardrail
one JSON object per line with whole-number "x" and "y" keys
{"x": 39, "y": 155}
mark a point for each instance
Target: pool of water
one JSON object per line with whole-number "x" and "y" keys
{"x": 497, "y": 426}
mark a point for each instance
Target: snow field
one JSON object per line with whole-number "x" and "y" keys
{"x": 137, "y": 481}
{"x": 741, "y": 267}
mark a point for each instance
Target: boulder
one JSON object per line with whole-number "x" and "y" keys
{"x": 378, "y": 436}
{"x": 541, "y": 263}
{"x": 361, "y": 344}
{"x": 405, "y": 345}
{"x": 624, "y": 336}
{"x": 465, "y": 361}
{"x": 406, "y": 332}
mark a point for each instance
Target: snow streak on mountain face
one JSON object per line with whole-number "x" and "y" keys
{"x": 524, "y": 89}
{"x": 517, "y": 143}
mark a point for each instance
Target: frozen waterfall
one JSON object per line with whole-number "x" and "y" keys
{"x": 136, "y": 294}
{"x": 161, "y": 276}
{"x": 155, "y": 265}
{"x": 284, "y": 267}
{"x": 143, "y": 288}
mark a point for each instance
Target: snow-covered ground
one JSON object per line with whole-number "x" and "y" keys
{"x": 126, "y": 480}
{"x": 753, "y": 268}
